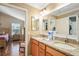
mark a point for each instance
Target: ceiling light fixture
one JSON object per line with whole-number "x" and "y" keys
{"x": 43, "y": 12}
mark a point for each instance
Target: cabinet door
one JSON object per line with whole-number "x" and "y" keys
{"x": 34, "y": 49}
{"x": 41, "y": 52}
{"x": 42, "y": 46}
{"x": 41, "y": 49}
{"x": 48, "y": 54}
{"x": 53, "y": 52}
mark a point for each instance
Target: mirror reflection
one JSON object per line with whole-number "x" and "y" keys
{"x": 45, "y": 24}
{"x": 52, "y": 25}
{"x": 72, "y": 25}
{"x": 35, "y": 24}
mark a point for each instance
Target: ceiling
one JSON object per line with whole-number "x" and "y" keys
{"x": 66, "y": 9}
{"x": 19, "y": 14}
{"x": 38, "y": 5}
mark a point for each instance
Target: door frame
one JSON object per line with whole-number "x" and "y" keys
{"x": 25, "y": 25}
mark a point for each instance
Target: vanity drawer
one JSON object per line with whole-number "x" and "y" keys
{"x": 41, "y": 45}
{"x": 34, "y": 41}
{"x": 53, "y": 52}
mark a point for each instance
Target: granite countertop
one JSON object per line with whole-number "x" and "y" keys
{"x": 65, "y": 48}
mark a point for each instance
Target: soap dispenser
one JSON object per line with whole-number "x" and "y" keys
{"x": 50, "y": 35}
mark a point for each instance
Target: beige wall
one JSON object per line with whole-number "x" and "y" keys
{"x": 7, "y": 20}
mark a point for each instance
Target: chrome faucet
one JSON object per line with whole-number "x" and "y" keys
{"x": 66, "y": 41}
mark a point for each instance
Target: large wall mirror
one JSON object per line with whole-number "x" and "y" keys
{"x": 35, "y": 24}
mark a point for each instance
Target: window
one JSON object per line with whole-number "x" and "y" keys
{"x": 15, "y": 28}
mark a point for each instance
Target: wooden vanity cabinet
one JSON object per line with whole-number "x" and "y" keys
{"x": 41, "y": 51}
{"x": 52, "y": 52}
{"x": 34, "y": 47}
{"x": 48, "y": 54}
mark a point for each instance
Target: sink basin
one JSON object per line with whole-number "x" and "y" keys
{"x": 64, "y": 46}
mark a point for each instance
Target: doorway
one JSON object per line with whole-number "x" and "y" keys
{"x": 16, "y": 28}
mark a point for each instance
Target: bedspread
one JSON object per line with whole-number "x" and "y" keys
{"x": 5, "y": 36}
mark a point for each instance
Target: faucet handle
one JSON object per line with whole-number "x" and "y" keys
{"x": 66, "y": 41}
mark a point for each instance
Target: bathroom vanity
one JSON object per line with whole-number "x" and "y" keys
{"x": 58, "y": 47}
{"x": 40, "y": 49}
